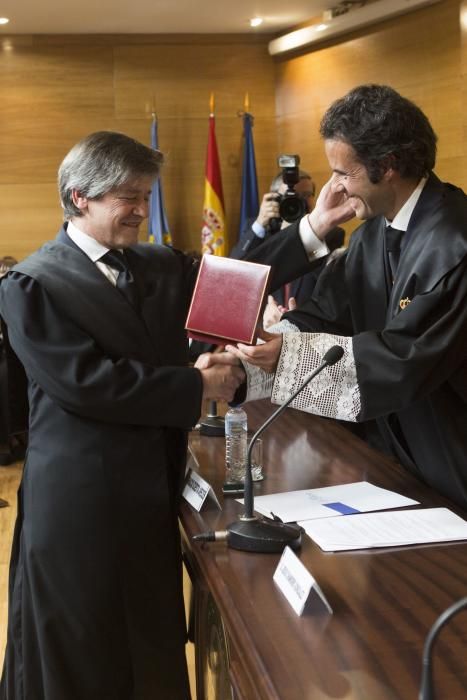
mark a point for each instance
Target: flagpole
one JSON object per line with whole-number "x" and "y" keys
{"x": 213, "y": 242}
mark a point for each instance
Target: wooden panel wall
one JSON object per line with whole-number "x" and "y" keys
{"x": 419, "y": 54}
{"x": 54, "y": 90}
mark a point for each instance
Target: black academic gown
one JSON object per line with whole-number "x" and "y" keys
{"x": 409, "y": 340}
{"x": 96, "y": 607}
{"x": 301, "y": 288}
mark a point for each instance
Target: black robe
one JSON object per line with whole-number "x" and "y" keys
{"x": 96, "y": 606}
{"x": 409, "y": 341}
{"x": 95, "y": 597}
{"x": 301, "y": 288}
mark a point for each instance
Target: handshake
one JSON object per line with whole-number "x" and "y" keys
{"x": 222, "y": 374}
{"x": 222, "y": 371}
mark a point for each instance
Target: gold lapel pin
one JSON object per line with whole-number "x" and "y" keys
{"x": 404, "y": 302}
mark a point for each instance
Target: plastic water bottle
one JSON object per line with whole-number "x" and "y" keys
{"x": 236, "y": 426}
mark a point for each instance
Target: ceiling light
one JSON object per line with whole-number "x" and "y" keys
{"x": 343, "y": 23}
{"x": 464, "y": 18}
{"x": 4, "y": 20}
{"x": 256, "y": 21}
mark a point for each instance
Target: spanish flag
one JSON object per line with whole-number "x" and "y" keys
{"x": 213, "y": 233}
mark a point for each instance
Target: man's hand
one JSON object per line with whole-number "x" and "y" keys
{"x": 221, "y": 373}
{"x": 273, "y": 311}
{"x": 333, "y": 207}
{"x": 217, "y": 357}
{"x": 264, "y": 355}
{"x": 269, "y": 209}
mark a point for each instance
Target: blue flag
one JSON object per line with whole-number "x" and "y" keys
{"x": 250, "y": 203}
{"x": 158, "y": 227}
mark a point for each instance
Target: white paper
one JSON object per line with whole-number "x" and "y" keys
{"x": 330, "y": 501}
{"x": 389, "y": 529}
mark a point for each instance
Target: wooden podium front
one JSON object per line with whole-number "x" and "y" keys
{"x": 250, "y": 645}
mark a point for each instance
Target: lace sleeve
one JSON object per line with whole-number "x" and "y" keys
{"x": 283, "y": 326}
{"x": 259, "y": 382}
{"x": 334, "y": 393}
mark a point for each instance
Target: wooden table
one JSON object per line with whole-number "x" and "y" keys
{"x": 251, "y": 645}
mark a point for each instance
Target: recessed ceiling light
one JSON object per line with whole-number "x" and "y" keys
{"x": 4, "y": 20}
{"x": 256, "y": 21}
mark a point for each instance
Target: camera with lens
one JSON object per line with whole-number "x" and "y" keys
{"x": 291, "y": 206}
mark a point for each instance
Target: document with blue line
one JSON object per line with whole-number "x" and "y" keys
{"x": 330, "y": 501}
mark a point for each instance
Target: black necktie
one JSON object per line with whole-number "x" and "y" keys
{"x": 125, "y": 280}
{"x": 393, "y": 248}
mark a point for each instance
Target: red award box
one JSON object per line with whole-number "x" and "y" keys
{"x": 228, "y": 300}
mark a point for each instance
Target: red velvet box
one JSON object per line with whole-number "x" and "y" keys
{"x": 227, "y": 301}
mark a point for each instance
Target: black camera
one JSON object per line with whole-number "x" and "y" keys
{"x": 291, "y": 206}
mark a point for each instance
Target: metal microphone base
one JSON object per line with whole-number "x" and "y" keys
{"x": 213, "y": 426}
{"x": 261, "y": 535}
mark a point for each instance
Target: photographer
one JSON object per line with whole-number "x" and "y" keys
{"x": 297, "y": 191}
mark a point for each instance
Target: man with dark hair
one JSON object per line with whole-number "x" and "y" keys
{"x": 97, "y": 321}
{"x": 396, "y": 300}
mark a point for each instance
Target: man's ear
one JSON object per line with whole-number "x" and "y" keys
{"x": 79, "y": 200}
{"x": 389, "y": 168}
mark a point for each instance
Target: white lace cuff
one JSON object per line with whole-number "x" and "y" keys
{"x": 258, "y": 383}
{"x": 283, "y": 326}
{"x": 334, "y": 393}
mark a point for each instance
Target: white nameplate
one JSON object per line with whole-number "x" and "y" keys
{"x": 295, "y": 582}
{"x": 197, "y": 490}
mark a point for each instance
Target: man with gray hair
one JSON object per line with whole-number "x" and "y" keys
{"x": 97, "y": 322}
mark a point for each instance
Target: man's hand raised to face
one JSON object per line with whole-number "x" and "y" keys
{"x": 333, "y": 207}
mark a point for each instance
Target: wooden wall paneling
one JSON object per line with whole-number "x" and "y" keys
{"x": 30, "y": 214}
{"x": 55, "y": 90}
{"x": 50, "y": 98}
{"x": 180, "y": 79}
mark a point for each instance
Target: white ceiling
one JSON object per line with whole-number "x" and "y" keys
{"x": 155, "y": 16}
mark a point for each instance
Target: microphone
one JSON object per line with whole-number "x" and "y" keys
{"x": 426, "y": 688}
{"x": 212, "y": 425}
{"x": 253, "y": 534}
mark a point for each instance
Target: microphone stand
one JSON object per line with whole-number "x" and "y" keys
{"x": 426, "y": 689}
{"x": 253, "y": 534}
{"x": 212, "y": 425}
